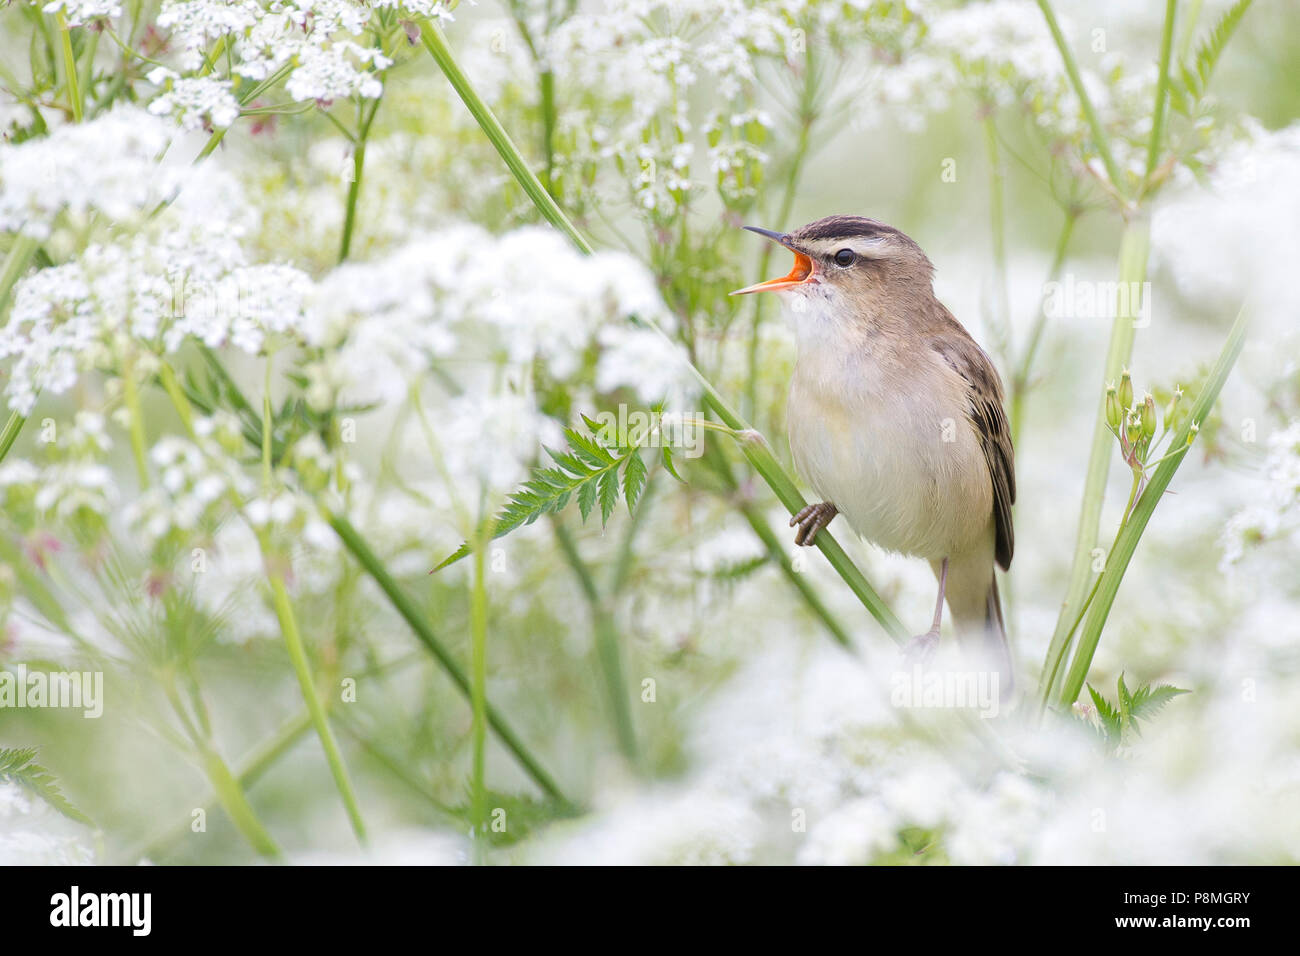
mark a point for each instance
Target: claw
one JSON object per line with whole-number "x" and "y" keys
{"x": 810, "y": 520}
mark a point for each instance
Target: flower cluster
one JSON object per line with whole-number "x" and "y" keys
{"x": 150, "y": 292}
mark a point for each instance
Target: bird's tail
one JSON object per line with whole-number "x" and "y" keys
{"x": 977, "y": 618}
{"x": 996, "y": 646}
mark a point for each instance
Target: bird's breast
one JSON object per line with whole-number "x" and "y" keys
{"x": 886, "y": 437}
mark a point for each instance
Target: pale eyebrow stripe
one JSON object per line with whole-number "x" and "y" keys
{"x": 875, "y": 247}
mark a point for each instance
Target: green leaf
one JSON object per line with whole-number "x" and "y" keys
{"x": 586, "y": 470}
{"x": 1196, "y": 76}
{"x": 634, "y": 478}
{"x": 1148, "y": 701}
{"x": 668, "y": 464}
{"x": 608, "y": 494}
{"x": 586, "y": 498}
{"x": 1109, "y": 717}
{"x": 18, "y": 765}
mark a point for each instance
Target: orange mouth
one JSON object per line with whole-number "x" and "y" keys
{"x": 801, "y": 273}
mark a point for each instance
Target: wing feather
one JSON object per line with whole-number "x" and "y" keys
{"x": 986, "y": 412}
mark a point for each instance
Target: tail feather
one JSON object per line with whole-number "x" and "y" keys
{"x": 998, "y": 648}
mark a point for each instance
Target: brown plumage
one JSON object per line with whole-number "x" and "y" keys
{"x": 896, "y": 418}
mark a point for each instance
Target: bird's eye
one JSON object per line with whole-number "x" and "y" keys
{"x": 845, "y": 257}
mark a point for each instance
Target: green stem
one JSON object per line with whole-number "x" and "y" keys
{"x": 1127, "y": 541}
{"x": 353, "y": 541}
{"x": 10, "y": 434}
{"x": 70, "y": 69}
{"x": 717, "y": 462}
{"x": 478, "y": 693}
{"x": 232, "y": 799}
{"x": 1162, "y": 89}
{"x": 267, "y": 429}
{"x": 298, "y": 655}
{"x": 608, "y": 649}
{"x": 16, "y": 262}
{"x": 1085, "y": 101}
{"x": 436, "y": 43}
{"x": 546, "y": 81}
{"x": 131, "y": 396}
{"x": 759, "y": 455}
{"x": 354, "y": 187}
{"x": 1189, "y": 30}
{"x": 1020, "y": 377}
{"x": 1052, "y": 677}
{"x": 1134, "y": 247}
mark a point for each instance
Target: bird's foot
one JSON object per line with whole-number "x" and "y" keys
{"x": 921, "y": 648}
{"x": 810, "y": 520}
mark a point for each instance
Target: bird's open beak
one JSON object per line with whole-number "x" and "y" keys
{"x": 801, "y": 273}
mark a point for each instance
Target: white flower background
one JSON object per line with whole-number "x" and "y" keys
{"x": 188, "y": 225}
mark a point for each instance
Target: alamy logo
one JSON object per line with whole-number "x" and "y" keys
{"x": 82, "y": 690}
{"x": 74, "y": 908}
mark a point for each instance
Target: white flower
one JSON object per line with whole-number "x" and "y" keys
{"x": 196, "y": 102}
{"x": 79, "y": 12}
{"x": 108, "y": 165}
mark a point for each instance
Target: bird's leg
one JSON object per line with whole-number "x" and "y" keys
{"x": 810, "y": 520}
{"x": 922, "y": 645}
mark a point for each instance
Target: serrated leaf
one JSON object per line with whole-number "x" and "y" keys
{"x": 19, "y": 766}
{"x": 634, "y": 479}
{"x": 1109, "y": 718}
{"x": 1148, "y": 701}
{"x": 668, "y": 464}
{"x": 586, "y": 498}
{"x": 608, "y": 491}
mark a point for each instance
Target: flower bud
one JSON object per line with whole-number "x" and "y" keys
{"x": 1114, "y": 415}
{"x": 1126, "y": 391}
{"x": 1148, "y": 416}
{"x": 1133, "y": 428}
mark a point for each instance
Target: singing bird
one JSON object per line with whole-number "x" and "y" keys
{"x": 896, "y": 419}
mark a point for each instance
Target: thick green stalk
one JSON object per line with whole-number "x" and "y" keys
{"x": 436, "y": 43}
{"x": 1134, "y": 247}
{"x": 1162, "y": 89}
{"x": 402, "y": 602}
{"x": 755, "y": 449}
{"x": 478, "y": 695}
{"x": 1085, "y": 101}
{"x": 298, "y": 656}
{"x": 717, "y": 462}
{"x": 1126, "y": 543}
{"x": 760, "y": 456}
{"x": 608, "y": 648}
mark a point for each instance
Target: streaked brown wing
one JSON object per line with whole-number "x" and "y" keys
{"x": 987, "y": 414}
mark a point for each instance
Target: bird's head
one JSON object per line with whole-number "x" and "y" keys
{"x": 858, "y": 264}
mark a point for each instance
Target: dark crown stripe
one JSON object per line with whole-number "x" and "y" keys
{"x": 844, "y": 227}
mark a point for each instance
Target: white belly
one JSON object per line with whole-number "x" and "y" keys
{"x": 897, "y": 456}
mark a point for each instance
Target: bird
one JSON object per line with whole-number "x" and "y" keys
{"x": 896, "y": 420}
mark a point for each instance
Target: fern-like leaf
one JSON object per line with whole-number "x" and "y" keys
{"x": 1148, "y": 701}
{"x": 1193, "y": 79}
{"x": 586, "y": 470}
{"x": 18, "y": 765}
